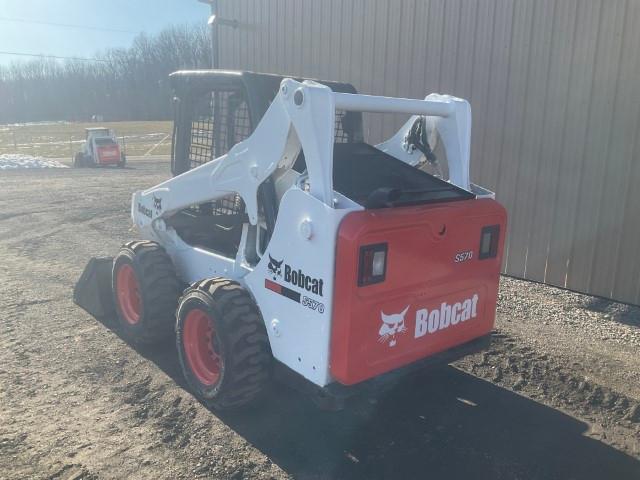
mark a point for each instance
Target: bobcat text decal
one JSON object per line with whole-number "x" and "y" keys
{"x": 300, "y": 279}
{"x": 144, "y": 210}
{"x": 446, "y": 316}
{"x": 297, "y": 278}
{"x": 428, "y": 321}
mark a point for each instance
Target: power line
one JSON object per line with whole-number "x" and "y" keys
{"x": 66, "y": 25}
{"x": 41, "y": 55}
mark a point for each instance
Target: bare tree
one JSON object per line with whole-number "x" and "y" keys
{"x": 122, "y": 84}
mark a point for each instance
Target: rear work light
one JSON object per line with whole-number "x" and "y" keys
{"x": 372, "y": 265}
{"x": 489, "y": 239}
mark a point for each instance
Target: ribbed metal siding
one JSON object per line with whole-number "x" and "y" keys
{"x": 555, "y": 91}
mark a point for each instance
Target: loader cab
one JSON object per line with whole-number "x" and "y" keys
{"x": 214, "y": 110}
{"x": 97, "y": 132}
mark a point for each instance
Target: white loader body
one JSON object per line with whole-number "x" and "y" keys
{"x": 301, "y": 252}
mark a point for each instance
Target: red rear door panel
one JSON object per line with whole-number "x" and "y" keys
{"x": 108, "y": 155}
{"x": 437, "y": 293}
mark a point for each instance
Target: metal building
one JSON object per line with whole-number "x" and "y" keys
{"x": 554, "y": 87}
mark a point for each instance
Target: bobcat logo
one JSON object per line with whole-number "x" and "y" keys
{"x": 157, "y": 204}
{"x": 275, "y": 267}
{"x": 392, "y": 325}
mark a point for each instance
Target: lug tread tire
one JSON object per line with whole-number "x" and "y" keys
{"x": 159, "y": 287}
{"x": 78, "y": 160}
{"x": 247, "y": 354}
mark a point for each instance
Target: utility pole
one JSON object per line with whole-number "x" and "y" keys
{"x": 213, "y": 24}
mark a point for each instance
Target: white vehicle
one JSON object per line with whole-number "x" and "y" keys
{"x": 307, "y": 254}
{"x": 100, "y": 148}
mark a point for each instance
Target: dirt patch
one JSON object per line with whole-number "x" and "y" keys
{"x": 556, "y": 396}
{"x": 539, "y": 376}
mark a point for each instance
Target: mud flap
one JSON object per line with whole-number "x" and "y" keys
{"x": 93, "y": 290}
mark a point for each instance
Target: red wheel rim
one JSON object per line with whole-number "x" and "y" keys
{"x": 200, "y": 346}
{"x": 128, "y": 293}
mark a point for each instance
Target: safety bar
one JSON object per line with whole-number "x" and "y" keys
{"x": 371, "y": 103}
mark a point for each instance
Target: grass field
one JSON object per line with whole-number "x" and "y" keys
{"x": 63, "y": 139}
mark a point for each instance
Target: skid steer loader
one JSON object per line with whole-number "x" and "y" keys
{"x": 101, "y": 148}
{"x": 286, "y": 246}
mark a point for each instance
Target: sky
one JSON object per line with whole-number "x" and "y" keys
{"x": 25, "y": 25}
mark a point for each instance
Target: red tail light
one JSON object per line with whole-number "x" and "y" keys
{"x": 372, "y": 266}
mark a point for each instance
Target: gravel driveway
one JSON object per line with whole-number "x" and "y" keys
{"x": 556, "y": 396}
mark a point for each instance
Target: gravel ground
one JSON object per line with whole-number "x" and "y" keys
{"x": 556, "y": 396}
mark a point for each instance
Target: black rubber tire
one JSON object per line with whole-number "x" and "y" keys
{"x": 123, "y": 161}
{"x": 159, "y": 291}
{"x": 78, "y": 160}
{"x": 242, "y": 343}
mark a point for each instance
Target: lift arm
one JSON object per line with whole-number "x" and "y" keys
{"x": 301, "y": 116}
{"x": 454, "y": 127}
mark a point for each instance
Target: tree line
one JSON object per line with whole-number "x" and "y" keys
{"x": 121, "y": 84}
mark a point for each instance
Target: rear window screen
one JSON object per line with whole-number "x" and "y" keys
{"x": 104, "y": 141}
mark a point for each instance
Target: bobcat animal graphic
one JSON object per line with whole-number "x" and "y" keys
{"x": 392, "y": 325}
{"x": 157, "y": 204}
{"x": 275, "y": 267}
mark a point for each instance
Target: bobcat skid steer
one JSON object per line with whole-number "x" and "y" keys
{"x": 100, "y": 149}
{"x": 286, "y": 246}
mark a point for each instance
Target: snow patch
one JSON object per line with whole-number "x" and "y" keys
{"x": 11, "y": 161}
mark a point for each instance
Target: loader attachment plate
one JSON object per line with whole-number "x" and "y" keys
{"x": 93, "y": 290}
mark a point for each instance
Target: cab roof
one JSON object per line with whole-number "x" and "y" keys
{"x": 260, "y": 88}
